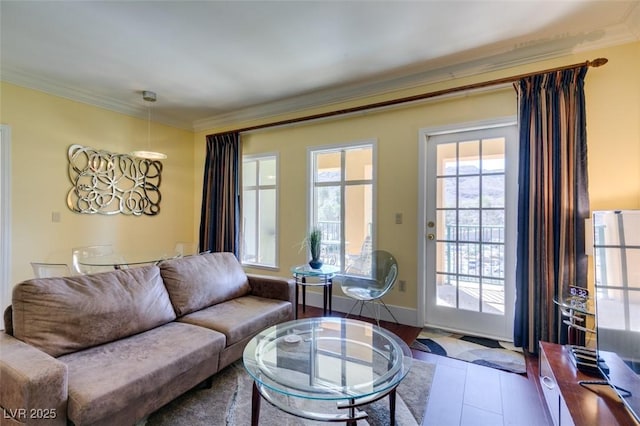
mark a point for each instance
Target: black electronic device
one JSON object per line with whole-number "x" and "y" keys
{"x": 580, "y": 292}
{"x": 587, "y": 361}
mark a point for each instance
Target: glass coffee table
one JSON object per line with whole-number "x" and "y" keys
{"x": 323, "y": 369}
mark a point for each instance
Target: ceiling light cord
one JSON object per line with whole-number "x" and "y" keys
{"x": 149, "y": 127}
{"x": 149, "y": 97}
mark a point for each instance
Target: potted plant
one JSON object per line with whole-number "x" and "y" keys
{"x": 314, "y": 240}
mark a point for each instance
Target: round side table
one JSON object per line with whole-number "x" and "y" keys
{"x": 306, "y": 276}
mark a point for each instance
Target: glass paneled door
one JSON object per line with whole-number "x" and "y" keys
{"x": 469, "y": 233}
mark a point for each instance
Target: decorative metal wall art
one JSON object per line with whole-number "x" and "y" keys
{"x": 108, "y": 183}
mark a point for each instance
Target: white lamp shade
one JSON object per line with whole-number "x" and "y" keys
{"x": 149, "y": 155}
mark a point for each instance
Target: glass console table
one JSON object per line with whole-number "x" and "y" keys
{"x": 575, "y": 311}
{"x": 323, "y": 369}
{"x": 126, "y": 259}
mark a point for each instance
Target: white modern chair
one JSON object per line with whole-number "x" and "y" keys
{"x": 79, "y": 253}
{"x": 186, "y": 249}
{"x": 360, "y": 264}
{"x": 48, "y": 270}
{"x": 371, "y": 288}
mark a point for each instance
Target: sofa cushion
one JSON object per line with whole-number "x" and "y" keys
{"x": 241, "y": 317}
{"x": 121, "y": 381}
{"x": 66, "y": 314}
{"x": 196, "y": 282}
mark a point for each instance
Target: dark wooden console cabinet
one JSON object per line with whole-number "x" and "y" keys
{"x": 571, "y": 404}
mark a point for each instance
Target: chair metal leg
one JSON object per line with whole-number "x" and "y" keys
{"x": 351, "y": 310}
{"x": 389, "y": 310}
{"x": 375, "y": 314}
{"x": 375, "y": 310}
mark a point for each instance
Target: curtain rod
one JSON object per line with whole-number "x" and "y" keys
{"x": 595, "y": 63}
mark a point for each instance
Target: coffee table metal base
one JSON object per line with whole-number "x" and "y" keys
{"x": 350, "y": 417}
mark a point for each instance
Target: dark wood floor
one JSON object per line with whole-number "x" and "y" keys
{"x": 466, "y": 394}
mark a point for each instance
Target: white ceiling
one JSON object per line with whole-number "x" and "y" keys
{"x": 213, "y": 62}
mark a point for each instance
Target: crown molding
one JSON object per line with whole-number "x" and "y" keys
{"x": 633, "y": 21}
{"x": 482, "y": 62}
{"x": 325, "y": 99}
{"x": 518, "y": 56}
{"x": 52, "y": 87}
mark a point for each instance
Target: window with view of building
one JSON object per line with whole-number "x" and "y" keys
{"x": 259, "y": 210}
{"x": 342, "y": 198}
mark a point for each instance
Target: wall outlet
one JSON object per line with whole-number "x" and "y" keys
{"x": 402, "y": 285}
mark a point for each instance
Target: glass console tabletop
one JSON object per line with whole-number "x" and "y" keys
{"x": 575, "y": 311}
{"x": 347, "y": 362}
{"x": 578, "y": 304}
{"x": 128, "y": 258}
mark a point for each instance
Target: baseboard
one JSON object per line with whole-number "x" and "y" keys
{"x": 406, "y": 316}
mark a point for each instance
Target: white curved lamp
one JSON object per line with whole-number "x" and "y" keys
{"x": 148, "y": 154}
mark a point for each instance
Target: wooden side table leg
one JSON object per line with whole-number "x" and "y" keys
{"x": 295, "y": 308}
{"x": 304, "y": 294}
{"x": 255, "y": 405}
{"x": 392, "y": 407}
{"x": 324, "y": 300}
{"x": 330, "y": 297}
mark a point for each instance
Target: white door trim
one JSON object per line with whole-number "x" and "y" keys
{"x": 5, "y": 219}
{"x": 423, "y": 137}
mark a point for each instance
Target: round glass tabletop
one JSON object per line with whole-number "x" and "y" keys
{"x": 327, "y": 358}
{"x": 308, "y": 271}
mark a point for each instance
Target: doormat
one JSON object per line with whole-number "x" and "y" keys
{"x": 478, "y": 350}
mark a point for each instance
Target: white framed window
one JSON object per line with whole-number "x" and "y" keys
{"x": 259, "y": 245}
{"x": 341, "y": 203}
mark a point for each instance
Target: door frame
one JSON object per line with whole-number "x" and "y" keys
{"x": 5, "y": 219}
{"x": 423, "y": 138}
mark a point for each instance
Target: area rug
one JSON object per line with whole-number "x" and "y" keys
{"x": 228, "y": 402}
{"x": 478, "y": 350}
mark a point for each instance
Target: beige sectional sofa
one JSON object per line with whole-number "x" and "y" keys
{"x": 111, "y": 348}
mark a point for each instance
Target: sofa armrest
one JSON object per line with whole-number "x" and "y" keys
{"x": 34, "y": 385}
{"x": 273, "y": 287}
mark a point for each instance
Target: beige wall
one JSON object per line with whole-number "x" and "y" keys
{"x": 396, "y": 135}
{"x": 613, "y": 128}
{"x": 42, "y": 129}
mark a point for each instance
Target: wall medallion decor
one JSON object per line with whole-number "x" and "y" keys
{"x": 108, "y": 183}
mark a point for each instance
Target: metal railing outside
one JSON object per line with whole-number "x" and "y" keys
{"x": 480, "y": 250}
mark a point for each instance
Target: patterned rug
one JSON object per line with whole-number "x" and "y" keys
{"x": 228, "y": 402}
{"x": 478, "y": 350}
